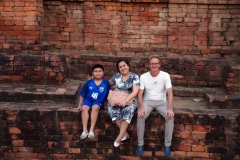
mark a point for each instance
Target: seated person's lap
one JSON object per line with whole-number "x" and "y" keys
{"x": 86, "y": 102}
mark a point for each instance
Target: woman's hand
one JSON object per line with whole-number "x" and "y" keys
{"x": 122, "y": 104}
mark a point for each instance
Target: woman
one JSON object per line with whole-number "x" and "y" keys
{"x": 122, "y": 114}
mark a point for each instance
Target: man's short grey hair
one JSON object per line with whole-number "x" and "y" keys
{"x": 154, "y": 56}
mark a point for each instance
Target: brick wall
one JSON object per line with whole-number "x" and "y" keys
{"x": 184, "y": 72}
{"x": 43, "y": 133}
{"x": 185, "y": 33}
{"x": 231, "y": 77}
{"x": 175, "y": 28}
{"x": 20, "y": 21}
{"x": 54, "y": 69}
{"x": 37, "y": 69}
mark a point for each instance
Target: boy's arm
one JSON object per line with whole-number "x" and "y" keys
{"x": 83, "y": 94}
{"x": 84, "y": 90}
{"x": 80, "y": 103}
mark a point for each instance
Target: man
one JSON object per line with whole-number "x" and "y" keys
{"x": 154, "y": 85}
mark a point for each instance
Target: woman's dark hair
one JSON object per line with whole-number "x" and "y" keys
{"x": 97, "y": 66}
{"x": 122, "y": 60}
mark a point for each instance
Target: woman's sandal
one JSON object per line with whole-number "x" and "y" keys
{"x": 116, "y": 144}
{"x": 125, "y": 138}
{"x": 91, "y": 135}
{"x": 83, "y": 135}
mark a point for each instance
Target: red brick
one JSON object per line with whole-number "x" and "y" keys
{"x": 180, "y": 153}
{"x": 200, "y": 135}
{"x": 9, "y": 154}
{"x": 52, "y": 144}
{"x": 198, "y": 128}
{"x": 74, "y": 150}
{"x": 6, "y": 46}
{"x": 67, "y": 137}
{"x": 30, "y": 8}
{"x": 43, "y": 155}
{"x": 11, "y": 117}
{"x": 215, "y": 155}
{"x": 19, "y": 23}
{"x": 18, "y": 4}
{"x": 198, "y": 148}
{"x": 214, "y": 73}
{"x": 25, "y": 155}
{"x": 31, "y": 33}
{"x": 31, "y": 28}
{"x": 8, "y": 9}
{"x": 232, "y": 80}
{"x": 183, "y": 147}
{"x": 178, "y": 127}
{"x": 57, "y": 156}
{"x": 149, "y": 14}
{"x": 20, "y": 14}
{"x": 186, "y": 135}
{"x": 7, "y": 14}
{"x": 30, "y": 4}
{"x": 18, "y": 143}
{"x": 14, "y": 130}
{"x": 65, "y": 125}
{"x": 232, "y": 75}
{"x": 198, "y": 154}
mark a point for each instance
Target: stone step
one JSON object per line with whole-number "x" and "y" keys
{"x": 195, "y": 92}
{"x": 178, "y": 103}
{"x": 223, "y": 101}
{"x": 66, "y": 93}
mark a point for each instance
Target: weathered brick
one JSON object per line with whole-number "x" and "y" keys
{"x": 25, "y": 155}
{"x": 198, "y": 154}
{"x": 198, "y": 148}
{"x": 14, "y": 130}
{"x": 18, "y": 143}
{"x": 74, "y": 150}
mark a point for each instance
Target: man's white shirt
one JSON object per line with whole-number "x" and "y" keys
{"x": 155, "y": 87}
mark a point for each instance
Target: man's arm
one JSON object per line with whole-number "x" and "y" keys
{"x": 169, "y": 112}
{"x": 170, "y": 97}
{"x": 140, "y": 93}
{"x": 141, "y": 110}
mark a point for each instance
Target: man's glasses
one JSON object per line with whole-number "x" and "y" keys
{"x": 154, "y": 64}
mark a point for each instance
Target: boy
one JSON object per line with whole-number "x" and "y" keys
{"x": 92, "y": 96}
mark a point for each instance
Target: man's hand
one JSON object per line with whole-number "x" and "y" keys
{"x": 169, "y": 113}
{"x": 141, "y": 113}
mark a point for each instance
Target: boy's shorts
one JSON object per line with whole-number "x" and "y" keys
{"x": 88, "y": 103}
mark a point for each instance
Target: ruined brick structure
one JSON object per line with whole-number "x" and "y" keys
{"x": 178, "y": 29}
{"x": 45, "y": 42}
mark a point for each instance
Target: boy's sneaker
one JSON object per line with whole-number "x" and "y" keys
{"x": 139, "y": 150}
{"x": 167, "y": 151}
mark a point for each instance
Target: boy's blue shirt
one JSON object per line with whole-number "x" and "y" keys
{"x": 95, "y": 93}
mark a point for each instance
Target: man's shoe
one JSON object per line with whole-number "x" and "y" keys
{"x": 139, "y": 150}
{"x": 167, "y": 151}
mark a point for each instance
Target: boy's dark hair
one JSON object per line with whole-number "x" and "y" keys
{"x": 122, "y": 60}
{"x": 97, "y": 66}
